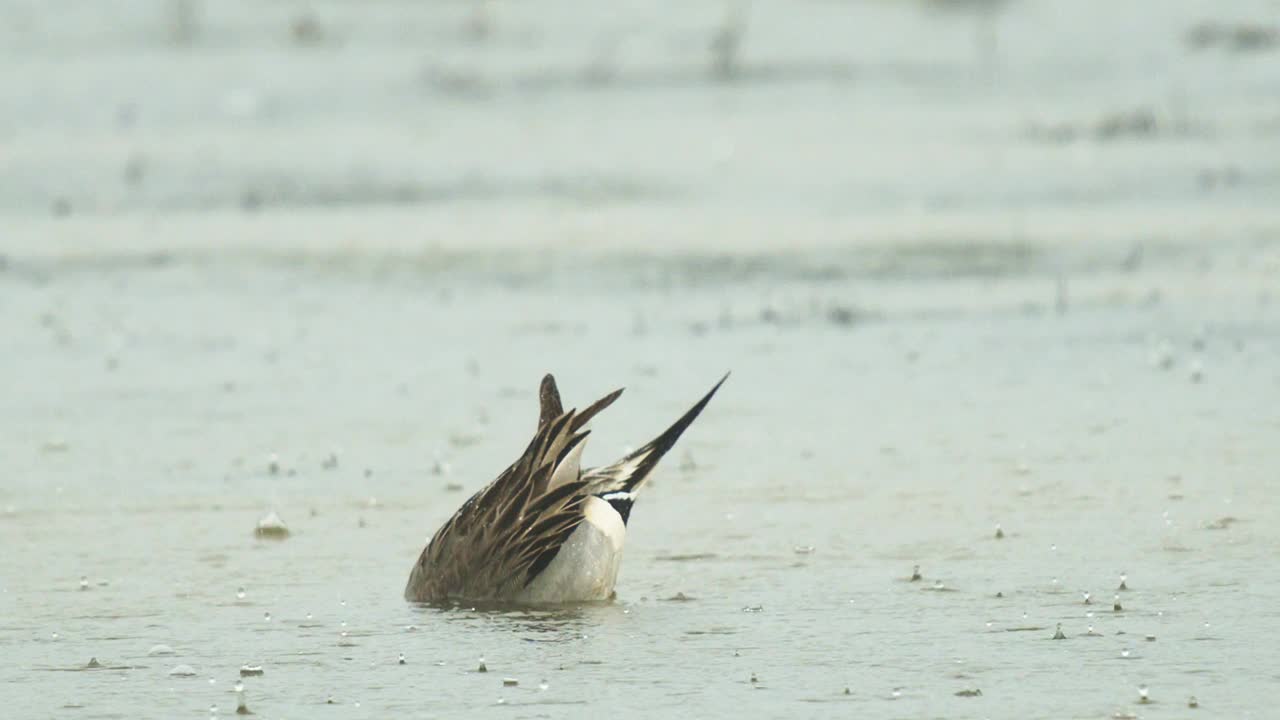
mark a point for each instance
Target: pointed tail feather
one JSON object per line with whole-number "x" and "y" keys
{"x": 626, "y": 475}
{"x": 549, "y": 401}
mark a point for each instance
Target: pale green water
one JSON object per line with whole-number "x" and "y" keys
{"x": 937, "y": 321}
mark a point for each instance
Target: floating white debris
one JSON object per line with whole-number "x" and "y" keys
{"x": 440, "y": 467}
{"x": 271, "y": 527}
{"x": 241, "y": 707}
{"x": 84, "y": 583}
{"x": 402, "y": 659}
{"x": 1143, "y": 696}
{"x": 804, "y": 549}
{"x": 240, "y": 593}
{"x": 251, "y": 671}
{"x": 160, "y": 650}
{"x": 183, "y": 671}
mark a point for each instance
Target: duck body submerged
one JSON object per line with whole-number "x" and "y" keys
{"x": 546, "y": 530}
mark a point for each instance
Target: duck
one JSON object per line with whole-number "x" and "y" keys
{"x": 546, "y": 530}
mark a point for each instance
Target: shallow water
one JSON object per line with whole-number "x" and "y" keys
{"x": 334, "y": 297}
{"x": 138, "y": 456}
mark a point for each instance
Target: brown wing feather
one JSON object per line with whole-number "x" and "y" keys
{"x": 508, "y": 531}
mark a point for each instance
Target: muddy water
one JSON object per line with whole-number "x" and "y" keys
{"x": 977, "y": 270}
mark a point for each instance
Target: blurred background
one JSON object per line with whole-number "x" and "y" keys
{"x": 974, "y": 264}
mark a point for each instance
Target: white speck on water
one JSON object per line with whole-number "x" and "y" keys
{"x": 1124, "y": 653}
{"x": 543, "y": 686}
{"x": 402, "y": 662}
{"x": 182, "y": 671}
{"x": 1087, "y": 600}
{"x": 271, "y": 526}
{"x": 240, "y": 593}
{"x": 897, "y": 693}
{"x": 266, "y": 616}
{"x": 84, "y": 583}
{"x": 1143, "y": 696}
{"x": 160, "y": 650}
{"x": 482, "y": 667}
{"x": 55, "y": 636}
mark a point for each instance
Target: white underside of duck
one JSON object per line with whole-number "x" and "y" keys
{"x": 586, "y": 567}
